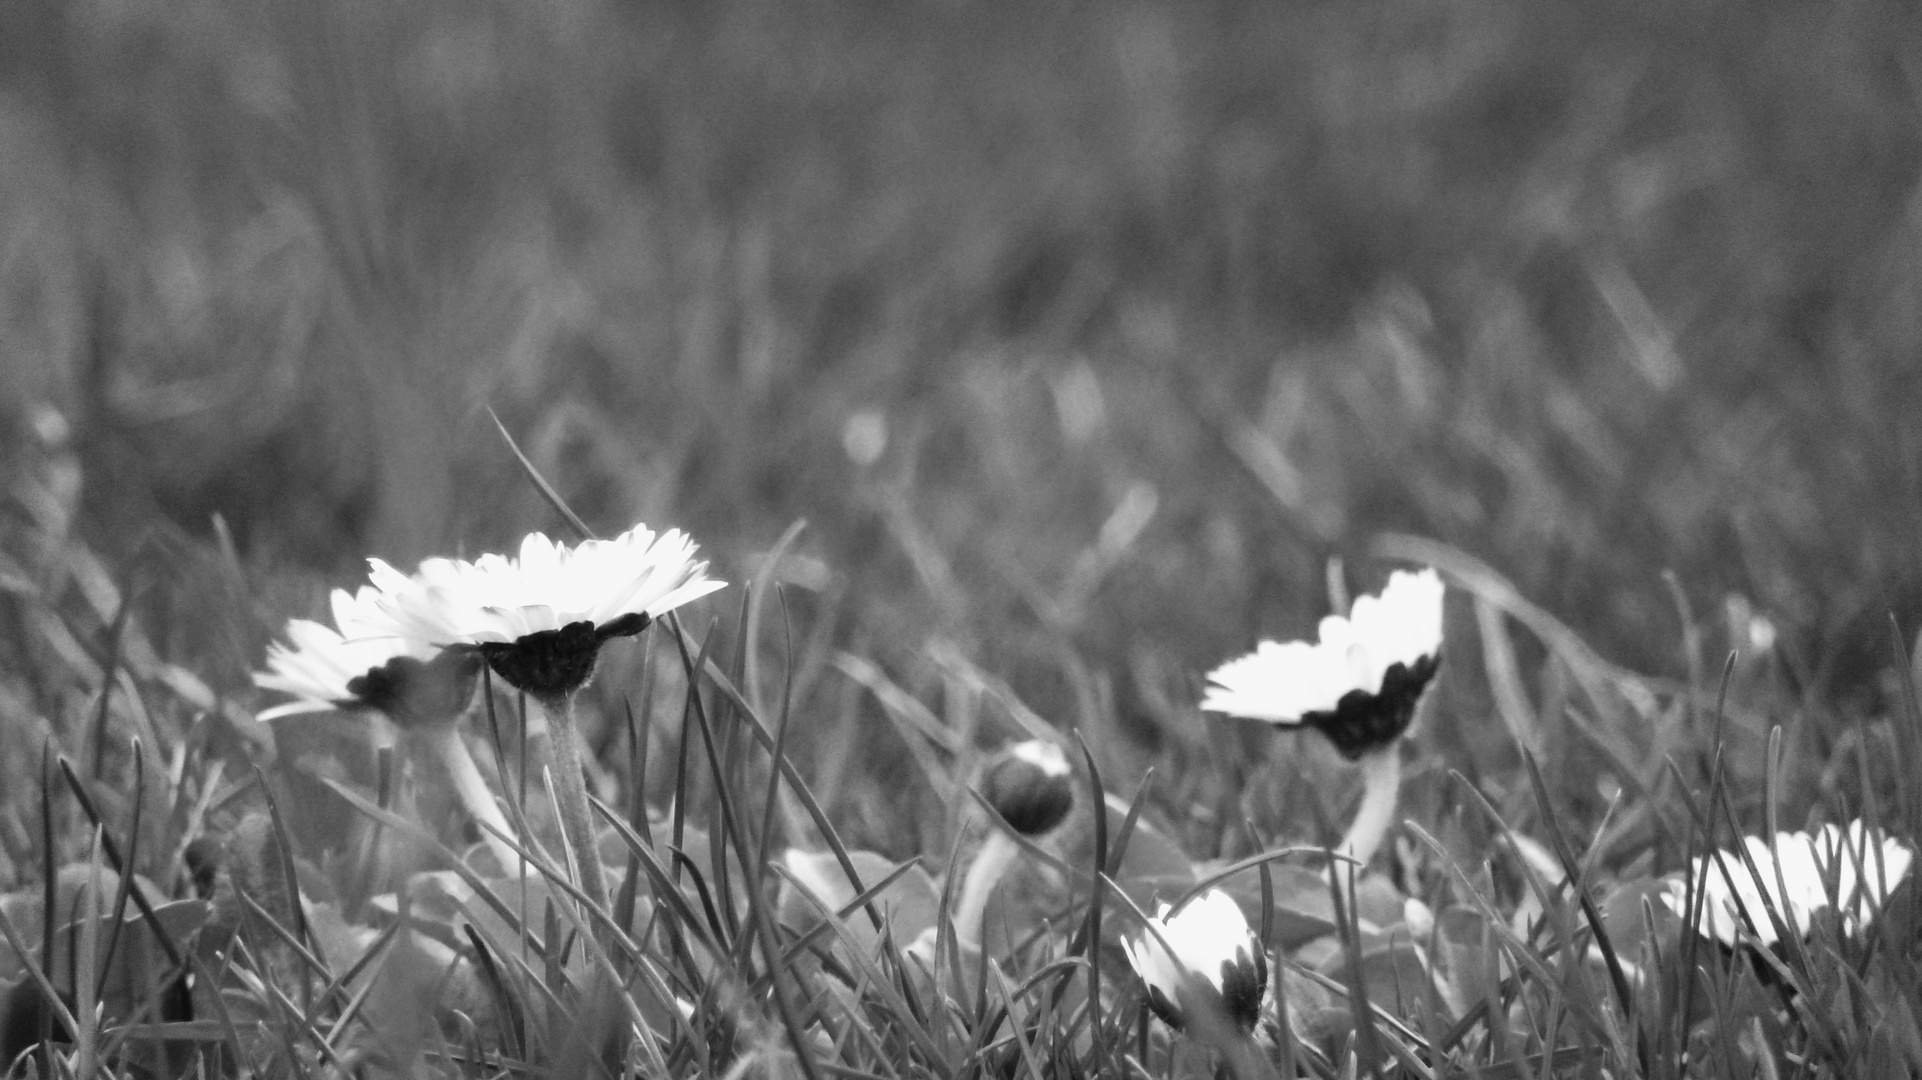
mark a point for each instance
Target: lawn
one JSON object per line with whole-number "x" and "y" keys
{"x": 1016, "y": 366}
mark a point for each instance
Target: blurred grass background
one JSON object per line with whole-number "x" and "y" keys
{"x": 1082, "y": 335}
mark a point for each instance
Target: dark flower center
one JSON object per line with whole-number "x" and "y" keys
{"x": 548, "y": 664}
{"x": 1362, "y": 721}
{"x": 414, "y": 692}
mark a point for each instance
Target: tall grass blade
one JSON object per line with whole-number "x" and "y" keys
{"x": 109, "y": 674}
{"x": 777, "y": 754}
{"x": 540, "y": 482}
{"x": 114, "y": 859}
{"x": 1576, "y": 879}
{"x": 1098, "y": 801}
{"x": 829, "y": 834}
{"x": 1347, "y": 923}
{"x": 506, "y": 1004}
{"x": 1909, "y": 728}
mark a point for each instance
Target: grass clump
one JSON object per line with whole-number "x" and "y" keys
{"x": 307, "y": 896}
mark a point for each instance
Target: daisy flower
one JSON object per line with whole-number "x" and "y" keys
{"x": 540, "y": 618}
{"x": 1358, "y": 685}
{"x": 363, "y": 661}
{"x": 1201, "y": 956}
{"x": 1865, "y": 872}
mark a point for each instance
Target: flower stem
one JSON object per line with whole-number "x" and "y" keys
{"x": 1381, "y": 785}
{"x": 444, "y": 742}
{"x": 992, "y": 861}
{"x": 570, "y": 794}
{"x": 1246, "y": 1061}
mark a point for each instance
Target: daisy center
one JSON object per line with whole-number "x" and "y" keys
{"x": 548, "y": 664}
{"x": 414, "y": 692}
{"x": 1362, "y": 721}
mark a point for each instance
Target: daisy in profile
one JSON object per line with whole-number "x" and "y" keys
{"x": 1795, "y": 876}
{"x": 365, "y": 663}
{"x": 539, "y": 620}
{"x": 1358, "y": 685}
{"x": 361, "y": 662}
{"x": 1202, "y": 958}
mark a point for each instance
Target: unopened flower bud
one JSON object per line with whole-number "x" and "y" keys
{"x": 1031, "y": 786}
{"x": 1203, "y": 957}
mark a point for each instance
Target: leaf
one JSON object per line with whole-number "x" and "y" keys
{"x": 72, "y": 885}
{"x": 1317, "y": 1014}
{"x": 1393, "y": 968}
{"x": 1622, "y": 914}
{"x": 1153, "y": 869}
{"x": 133, "y": 976}
{"x": 1464, "y": 953}
{"x": 1379, "y": 903}
{"x": 909, "y": 904}
{"x": 1302, "y": 911}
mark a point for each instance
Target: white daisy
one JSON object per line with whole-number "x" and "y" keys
{"x": 1208, "y": 947}
{"x": 1358, "y": 684}
{"x": 328, "y": 667}
{"x": 498, "y": 599}
{"x": 1865, "y": 872}
{"x": 540, "y": 618}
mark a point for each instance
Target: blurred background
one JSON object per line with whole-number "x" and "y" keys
{"x": 1083, "y": 336}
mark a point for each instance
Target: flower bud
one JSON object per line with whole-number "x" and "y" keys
{"x": 1204, "y": 957}
{"x": 1031, "y": 786}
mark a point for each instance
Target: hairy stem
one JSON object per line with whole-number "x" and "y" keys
{"x": 570, "y": 793}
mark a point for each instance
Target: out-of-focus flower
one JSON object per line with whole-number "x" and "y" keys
{"x": 1358, "y": 684}
{"x": 540, "y": 618}
{"x": 1418, "y": 917}
{"x": 1864, "y": 868}
{"x": 1204, "y": 957}
{"x": 864, "y": 437}
{"x": 363, "y": 661}
{"x": 1030, "y": 785}
{"x": 1749, "y": 630}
